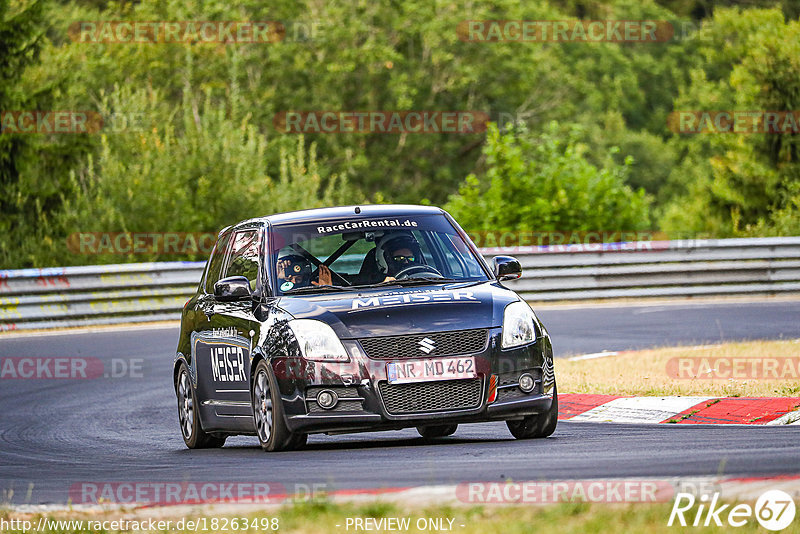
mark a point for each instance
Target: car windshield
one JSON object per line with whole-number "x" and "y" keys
{"x": 354, "y": 253}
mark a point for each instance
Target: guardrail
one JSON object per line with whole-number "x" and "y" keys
{"x": 691, "y": 268}
{"x": 92, "y": 295}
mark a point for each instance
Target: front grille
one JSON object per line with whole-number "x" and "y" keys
{"x": 505, "y": 379}
{"x": 341, "y": 406}
{"x": 512, "y": 393}
{"x": 436, "y": 396}
{"x": 508, "y": 394}
{"x": 411, "y": 346}
{"x": 342, "y": 392}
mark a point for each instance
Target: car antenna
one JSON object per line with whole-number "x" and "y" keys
{"x": 358, "y": 210}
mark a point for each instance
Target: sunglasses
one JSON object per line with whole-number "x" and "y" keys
{"x": 403, "y": 259}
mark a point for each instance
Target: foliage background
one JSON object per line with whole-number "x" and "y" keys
{"x": 191, "y": 146}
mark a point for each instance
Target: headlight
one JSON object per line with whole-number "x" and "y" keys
{"x": 318, "y": 341}
{"x": 518, "y": 328}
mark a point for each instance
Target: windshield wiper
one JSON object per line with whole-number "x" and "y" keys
{"x": 426, "y": 279}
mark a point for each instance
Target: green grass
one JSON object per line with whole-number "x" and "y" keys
{"x": 645, "y": 372}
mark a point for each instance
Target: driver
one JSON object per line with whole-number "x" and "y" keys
{"x": 397, "y": 251}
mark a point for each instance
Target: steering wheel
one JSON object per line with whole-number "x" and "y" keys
{"x": 416, "y": 269}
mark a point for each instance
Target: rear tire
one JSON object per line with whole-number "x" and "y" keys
{"x": 193, "y": 435}
{"x": 436, "y": 431}
{"x": 536, "y": 426}
{"x": 271, "y": 429}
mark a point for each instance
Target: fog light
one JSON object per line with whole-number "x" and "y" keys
{"x": 526, "y": 383}
{"x": 327, "y": 399}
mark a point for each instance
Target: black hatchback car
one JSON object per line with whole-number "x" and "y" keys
{"x": 354, "y": 319}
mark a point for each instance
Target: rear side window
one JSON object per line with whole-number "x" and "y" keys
{"x": 245, "y": 255}
{"x": 215, "y": 263}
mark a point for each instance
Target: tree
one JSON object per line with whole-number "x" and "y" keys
{"x": 545, "y": 183}
{"x": 21, "y": 39}
{"x": 728, "y": 182}
{"x": 206, "y": 173}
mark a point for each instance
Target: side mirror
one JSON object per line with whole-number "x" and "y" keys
{"x": 232, "y": 288}
{"x": 506, "y": 268}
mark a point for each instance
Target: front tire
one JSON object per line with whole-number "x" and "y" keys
{"x": 271, "y": 429}
{"x": 193, "y": 435}
{"x": 536, "y": 426}
{"x": 436, "y": 431}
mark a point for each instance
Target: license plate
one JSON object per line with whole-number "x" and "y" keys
{"x": 426, "y": 370}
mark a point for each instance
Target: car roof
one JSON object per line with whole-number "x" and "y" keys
{"x": 341, "y": 212}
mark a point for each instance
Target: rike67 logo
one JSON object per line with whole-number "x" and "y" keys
{"x": 774, "y": 510}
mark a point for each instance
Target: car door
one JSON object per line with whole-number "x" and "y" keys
{"x": 222, "y": 344}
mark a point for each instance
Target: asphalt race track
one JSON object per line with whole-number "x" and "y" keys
{"x": 57, "y": 433}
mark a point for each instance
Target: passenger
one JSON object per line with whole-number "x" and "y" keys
{"x": 295, "y": 271}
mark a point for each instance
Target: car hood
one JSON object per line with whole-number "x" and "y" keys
{"x": 410, "y": 310}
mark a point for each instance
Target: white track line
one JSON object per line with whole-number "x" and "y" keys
{"x": 592, "y": 356}
{"x": 791, "y": 418}
{"x": 639, "y": 409}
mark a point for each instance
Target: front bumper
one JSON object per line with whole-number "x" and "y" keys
{"x": 360, "y": 387}
{"x": 365, "y": 422}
